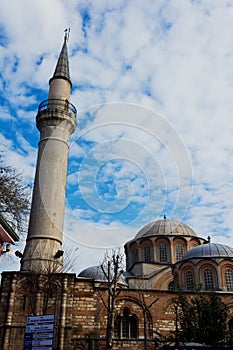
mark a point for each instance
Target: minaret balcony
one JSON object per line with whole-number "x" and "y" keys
{"x": 59, "y": 105}
{"x": 56, "y": 112}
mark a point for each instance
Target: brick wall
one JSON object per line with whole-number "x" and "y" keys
{"x": 80, "y": 314}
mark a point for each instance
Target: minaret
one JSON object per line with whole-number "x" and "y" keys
{"x": 56, "y": 121}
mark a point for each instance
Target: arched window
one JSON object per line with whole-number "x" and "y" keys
{"x": 117, "y": 327}
{"x": 163, "y": 252}
{"x": 229, "y": 279}
{"x": 189, "y": 280}
{"x": 147, "y": 256}
{"x": 135, "y": 255}
{"x": 208, "y": 279}
{"x": 133, "y": 327}
{"x": 230, "y": 325}
{"x": 171, "y": 286}
{"x": 126, "y": 326}
{"x": 179, "y": 251}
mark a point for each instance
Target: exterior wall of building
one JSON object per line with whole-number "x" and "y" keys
{"x": 24, "y": 294}
{"x": 7, "y": 235}
{"x": 80, "y": 314}
{"x": 135, "y": 251}
{"x": 221, "y": 269}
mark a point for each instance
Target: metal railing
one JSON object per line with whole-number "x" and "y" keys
{"x": 58, "y": 104}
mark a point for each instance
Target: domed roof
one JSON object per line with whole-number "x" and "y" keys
{"x": 209, "y": 250}
{"x": 96, "y": 273}
{"x": 93, "y": 272}
{"x": 165, "y": 227}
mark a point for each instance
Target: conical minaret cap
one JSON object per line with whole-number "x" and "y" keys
{"x": 62, "y": 67}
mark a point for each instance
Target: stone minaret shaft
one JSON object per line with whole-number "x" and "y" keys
{"x": 56, "y": 121}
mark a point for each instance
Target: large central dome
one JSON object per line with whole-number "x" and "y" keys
{"x": 165, "y": 227}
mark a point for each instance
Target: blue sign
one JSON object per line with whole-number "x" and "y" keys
{"x": 39, "y": 332}
{"x": 40, "y": 319}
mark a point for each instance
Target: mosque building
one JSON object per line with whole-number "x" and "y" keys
{"x": 44, "y": 308}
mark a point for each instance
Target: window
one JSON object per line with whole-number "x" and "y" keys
{"x": 135, "y": 255}
{"x": 189, "y": 280}
{"x": 24, "y": 302}
{"x": 208, "y": 280}
{"x": 229, "y": 280}
{"x": 179, "y": 251}
{"x": 171, "y": 286}
{"x": 147, "y": 256}
{"x": 126, "y": 326}
{"x": 230, "y": 325}
{"x": 163, "y": 252}
{"x": 133, "y": 327}
{"x": 117, "y": 327}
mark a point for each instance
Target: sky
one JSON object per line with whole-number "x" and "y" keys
{"x": 153, "y": 87}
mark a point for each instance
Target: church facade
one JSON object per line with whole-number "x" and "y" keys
{"x": 44, "y": 308}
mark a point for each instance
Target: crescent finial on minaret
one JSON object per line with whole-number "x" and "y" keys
{"x": 62, "y": 67}
{"x": 67, "y": 34}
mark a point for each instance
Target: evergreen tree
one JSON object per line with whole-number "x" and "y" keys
{"x": 201, "y": 318}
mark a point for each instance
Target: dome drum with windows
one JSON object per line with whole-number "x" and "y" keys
{"x": 209, "y": 265}
{"x": 157, "y": 246}
{"x": 167, "y": 254}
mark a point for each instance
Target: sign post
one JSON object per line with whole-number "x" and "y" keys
{"x": 39, "y": 332}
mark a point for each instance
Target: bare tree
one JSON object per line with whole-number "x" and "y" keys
{"x": 14, "y": 195}
{"x": 44, "y": 291}
{"x": 112, "y": 269}
{"x": 45, "y": 285}
{"x": 141, "y": 290}
{"x": 70, "y": 258}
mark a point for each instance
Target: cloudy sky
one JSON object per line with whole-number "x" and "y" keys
{"x": 153, "y": 86}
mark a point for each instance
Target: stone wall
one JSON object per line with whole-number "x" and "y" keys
{"x": 80, "y": 314}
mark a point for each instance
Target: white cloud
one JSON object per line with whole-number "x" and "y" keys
{"x": 174, "y": 57}
{"x": 5, "y": 114}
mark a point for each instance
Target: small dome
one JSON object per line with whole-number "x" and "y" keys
{"x": 165, "y": 227}
{"x": 96, "y": 273}
{"x": 209, "y": 250}
{"x": 93, "y": 272}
